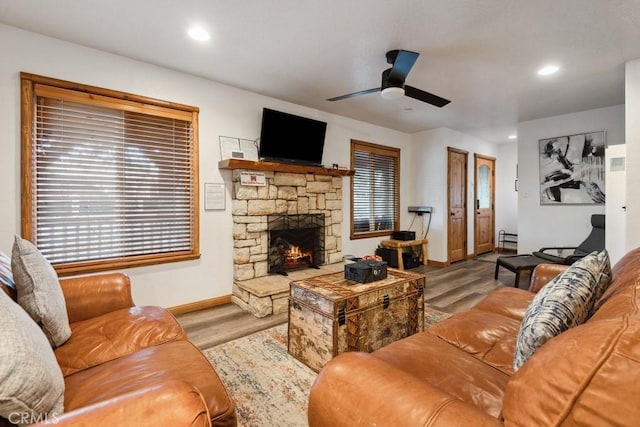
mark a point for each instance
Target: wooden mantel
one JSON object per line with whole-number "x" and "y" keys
{"x": 281, "y": 167}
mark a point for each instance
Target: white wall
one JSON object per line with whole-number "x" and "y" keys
{"x": 506, "y": 194}
{"x": 224, "y": 110}
{"x": 429, "y": 165}
{"x": 552, "y": 225}
{"x": 632, "y": 133}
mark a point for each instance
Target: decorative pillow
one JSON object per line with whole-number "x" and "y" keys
{"x": 563, "y": 303}
{"x": 6, "y": 278}
{"x": 603, "y": 283}
{"x": 39, "y": 291}
{"x": 31, "y": 383}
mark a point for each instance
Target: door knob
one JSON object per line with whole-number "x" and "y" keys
{"x": 452, "y": 214}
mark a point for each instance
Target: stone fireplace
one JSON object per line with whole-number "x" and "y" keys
{"x": 290, "y": 209}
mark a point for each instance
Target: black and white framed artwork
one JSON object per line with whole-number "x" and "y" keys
{"x": 572, "y": 169}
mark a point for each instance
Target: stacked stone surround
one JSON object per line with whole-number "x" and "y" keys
{"x": 254, "y": 290}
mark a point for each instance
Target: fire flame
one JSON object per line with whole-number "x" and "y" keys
{"x": 296, "y": 255}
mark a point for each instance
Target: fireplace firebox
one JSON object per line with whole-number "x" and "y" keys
{"x": 295, "y": 242}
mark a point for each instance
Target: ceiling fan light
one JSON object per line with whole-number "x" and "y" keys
{"x": 392, "y": 92}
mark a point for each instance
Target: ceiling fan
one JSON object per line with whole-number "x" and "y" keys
{"x": 393, "y": 79}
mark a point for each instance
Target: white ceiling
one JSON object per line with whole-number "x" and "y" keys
{"x": 480, "y": 54}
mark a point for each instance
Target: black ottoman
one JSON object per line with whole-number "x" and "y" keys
{"x": 517, "y": 264}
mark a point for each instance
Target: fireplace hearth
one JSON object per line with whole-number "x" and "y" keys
{"x": 295, "y": 242}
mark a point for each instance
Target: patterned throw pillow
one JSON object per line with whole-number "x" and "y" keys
{"x": 6, "y": 278}
{"x": 563, "y": 303}
{"x": 31, "y": 383}
{"x": 39, "y": 291}
{"x": 603, "y": 284}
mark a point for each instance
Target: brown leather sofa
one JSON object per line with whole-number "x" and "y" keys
{"x": 129, "y": 365}
{"x": 459, "y": 372}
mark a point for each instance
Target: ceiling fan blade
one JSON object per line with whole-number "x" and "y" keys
{"x": 402, "y": 65}
{"x": 351, "y": 95}
{"x": 423, "y": 96}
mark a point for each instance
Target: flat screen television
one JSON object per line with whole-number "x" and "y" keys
{"x": 287, "y": 138}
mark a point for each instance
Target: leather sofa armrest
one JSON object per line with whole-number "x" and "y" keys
{"x": 543, "y": 274}
{"x": 91, "y": 296}
{"x": 172, "y": 403}
{"x": 359, "y": 389}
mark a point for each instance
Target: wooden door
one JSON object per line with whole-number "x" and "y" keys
{"x": 457, "y": 190}
{"x": 484, "y": 235}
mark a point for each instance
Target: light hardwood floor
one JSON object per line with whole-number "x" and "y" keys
{"x": 450, "y": 289}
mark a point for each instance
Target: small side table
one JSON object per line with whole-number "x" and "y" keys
{"x": 399, "y": 245}
{"x": 517, "y": 264}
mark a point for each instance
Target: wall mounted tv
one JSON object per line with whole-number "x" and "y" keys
{"x": 287, "y": 138}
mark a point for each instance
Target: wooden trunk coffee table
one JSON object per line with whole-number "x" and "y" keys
{"x": 329, "y": 315}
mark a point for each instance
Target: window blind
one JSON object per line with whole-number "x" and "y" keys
{"x": 110, "y": 179}
{"x": 375, "y": 189}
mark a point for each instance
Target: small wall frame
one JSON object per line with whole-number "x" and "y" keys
{"x": 215, "y": 196}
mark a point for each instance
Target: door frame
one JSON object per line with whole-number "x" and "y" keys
{"x": 477, "y": 156}
{"x": 464, "y": 198}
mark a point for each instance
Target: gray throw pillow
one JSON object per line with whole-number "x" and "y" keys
{"x": 39, "y": 291}
{"x": 563, "y": 303}
{"x": 31, "y": 383}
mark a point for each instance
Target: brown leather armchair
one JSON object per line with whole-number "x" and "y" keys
{"x": 146, "y": 406}
{"x": 126, "y": 364}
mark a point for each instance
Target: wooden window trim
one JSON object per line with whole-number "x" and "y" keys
{"x": 31, "y": 86}
{"x": 382, "y": 150}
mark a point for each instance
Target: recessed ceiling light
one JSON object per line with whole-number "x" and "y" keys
{"x": 513, "y": 136}
{"x": 547, "y": 70}
{"x": 199, "y": 33}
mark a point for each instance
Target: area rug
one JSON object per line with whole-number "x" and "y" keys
{"x": 270, "y": 387}
{"x": 432, "y": 316}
